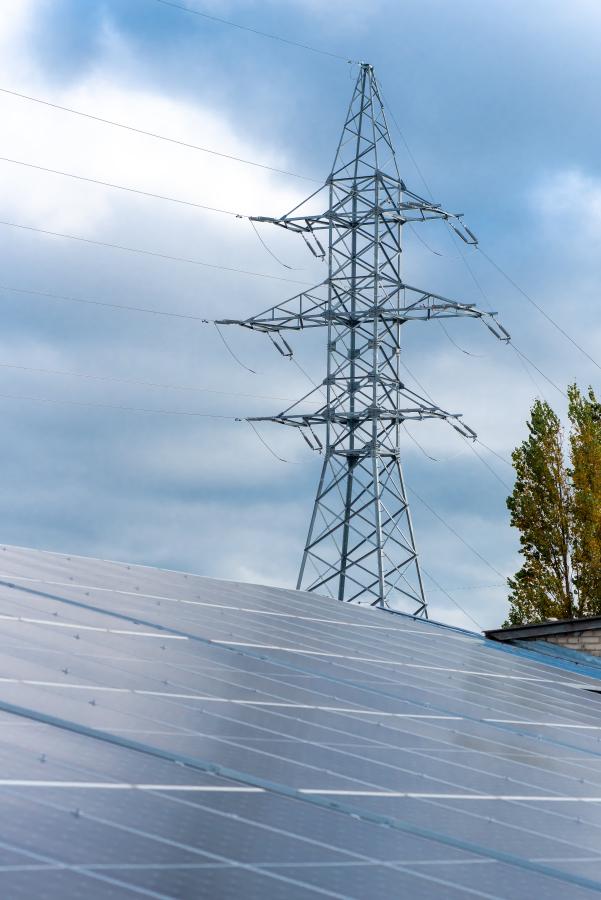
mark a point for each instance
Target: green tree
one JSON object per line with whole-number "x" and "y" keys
{"x": 585, "y": 455}
{"x": 541, "y": 509}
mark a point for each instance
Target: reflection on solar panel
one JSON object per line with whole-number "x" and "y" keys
{"x": 171, "y": 736}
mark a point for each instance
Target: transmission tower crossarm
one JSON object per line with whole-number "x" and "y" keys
{"x": 401, "y": 212}
{"x": 304, "y": 310}
{"x": 308, "y": 310}
{"x": 392, "y": 413}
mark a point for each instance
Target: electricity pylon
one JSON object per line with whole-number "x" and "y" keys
{"x": 360, "y": 546}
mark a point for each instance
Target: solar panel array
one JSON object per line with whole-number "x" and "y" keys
{"x": 171, "y": 736}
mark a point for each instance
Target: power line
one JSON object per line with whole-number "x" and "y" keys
{"x": 269, "y": 250}
{"x": 152, "y": 134}
{"x": 468, "y": 442}
{"x": 494, "y": 453}
{"x": 487, "y": 465}
{"x": 135, "y": 409}
{"x": 452, "y": 599}
{"x": 118, "y": 306}
{"x": 121, "y": 187}
{"x": 505, "y": 275}
{"x": 268, "y": 447}
{"x": 456, "y": 533}
{"x": 417, "y": 443}
{"x": 534, "y": 366}
{"x": 456, "y": 345}
{"x": 265, "y": 34}
{"x": 156, "y": 254}
{"x": 231, "y": 352}
{"x": 474, "y": 587}
{"x": 135, "y": 382}
{"x": 510, "y": 343}
{"x": 540, "y": 309}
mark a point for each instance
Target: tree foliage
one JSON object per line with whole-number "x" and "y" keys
{"x": 557, "y": 510}
{"x": 540, "y": 509}
{"x": 585, "y": 455}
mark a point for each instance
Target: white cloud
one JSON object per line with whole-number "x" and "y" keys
{"x": 137, "y": 483}
{"x": 569, "y": 205}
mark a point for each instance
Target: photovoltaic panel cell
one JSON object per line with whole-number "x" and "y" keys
{"x": 167, "y": 735}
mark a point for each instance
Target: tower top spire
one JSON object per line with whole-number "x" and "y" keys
{"x": 365, "y": 145}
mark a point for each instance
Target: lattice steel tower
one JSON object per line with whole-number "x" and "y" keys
{"x": 360, "y": 546}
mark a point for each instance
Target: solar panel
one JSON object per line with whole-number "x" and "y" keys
{"x": 167, "y": 735}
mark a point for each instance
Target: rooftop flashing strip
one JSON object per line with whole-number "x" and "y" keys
{"x": 542, "y": 629}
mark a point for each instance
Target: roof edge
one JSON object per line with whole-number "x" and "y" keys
{"x": 541, "y": 629}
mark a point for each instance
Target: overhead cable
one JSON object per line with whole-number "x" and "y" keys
{"x": 121, "y": 187}
{"x": 154, "y": 253}
{"x": 46, "y": 295}
{"x": 502, "y": 272}
{"x": 472, "y": 587}
{"x": 135, "y": 409}
{"x": 456, "y": 345}
{"x": 269, "y": 250}
{"x": 136, "y": 382}
{"x": 267, "y": 446}
{"x": 452, "y": 599}
{"x": 494, "y": 453}
{"x": 468, "y": 442}
{"x": 152, "y": 134}
{"x": 230, "y": 351}
{"x": 456, "y": 533}
{"x": 265, "y": 34}
{"x": 540, "y": 309}
{"x": 417, "y": 443}
{"x": 510, "y": 343}
{"x": 534, "y": 366}
{"x": 486, "y": 464}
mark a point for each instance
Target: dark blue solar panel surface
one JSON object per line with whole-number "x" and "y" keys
{"x": 166, "y": 735}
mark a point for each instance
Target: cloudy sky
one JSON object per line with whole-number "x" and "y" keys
{"x": 499, "y": 105}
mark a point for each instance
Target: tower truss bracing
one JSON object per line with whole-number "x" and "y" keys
{"x": 360, "y": 545}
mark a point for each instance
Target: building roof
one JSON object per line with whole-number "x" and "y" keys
{"x": 172, "y": 736}
{"x": 544, "y": 629}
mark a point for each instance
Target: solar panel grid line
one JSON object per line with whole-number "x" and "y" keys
{"x": 426, "y": 754}
{"x": 384, "y": 714}
{"x": 478, "y": 894}
{"x": 103, "y": 878}
{"x": 78, "y": 767}
{"x": 83, "y": 628}
{"x": 551, "y": 872}
{"x": 275, "y": 667}
{"x": 296, "y": 762}
{"x": 525, "y": 783}
{"x": 221, "y": 606}
{"x": 460, "y": 635}
{"x": 533, "y": 796}
{"x": 397, "y": 867}
{"x": 289, "y": 595}
{"x": 118, "y": 826}
{"x": 302, "y": 628}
